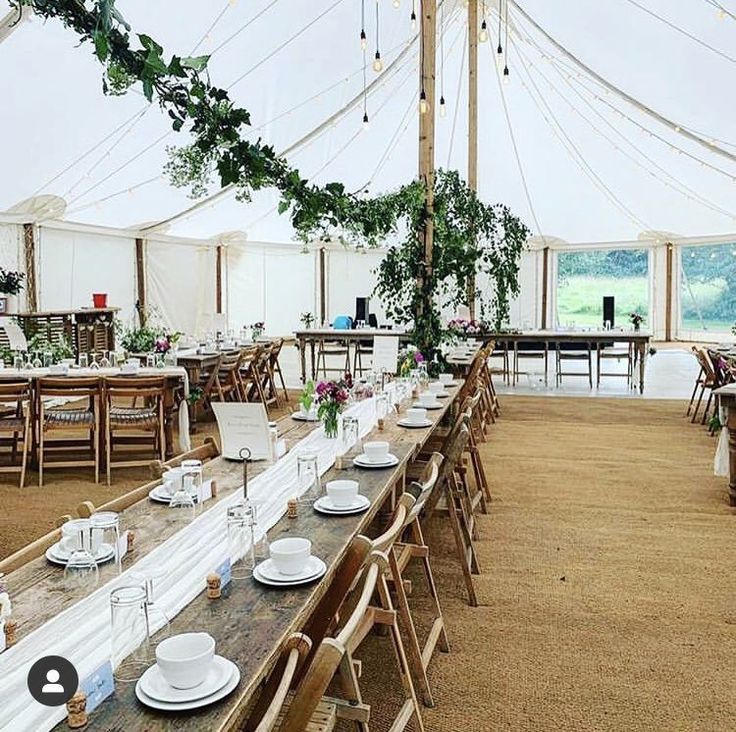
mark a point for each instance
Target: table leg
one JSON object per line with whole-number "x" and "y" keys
{"x": 303, "y": 358}
{"x": 169, "y": 402}
{"x": 731, "y": 427}
{"x": 642, "y": 363}
{"x": 312, "y": 352}
{"x": 194, "y": 378}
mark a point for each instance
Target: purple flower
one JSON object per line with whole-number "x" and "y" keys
{"x": 418, "y": 357}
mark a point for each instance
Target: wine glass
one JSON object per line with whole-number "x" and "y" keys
{"x": 105, "y": 360}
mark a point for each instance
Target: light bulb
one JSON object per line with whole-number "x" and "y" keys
{"x": 377, "y": 63}
{"x": 366, "y": 124}
{"x": 443, "y": 107}
{"x": 483, "y": 35}
{"x": 423, "y": 106}
{"x": 397, "y": 3}
{"x": 506, "y": 74}
{"x": 413, "y": 20}
{"x": 363, "y": 39}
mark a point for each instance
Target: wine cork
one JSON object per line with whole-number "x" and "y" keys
{"x": 381, "y": 423}
{"x": 214, "y": 590}
{"x": 131, "y": 540}
{"x": 10, "y": 627}
{"x": 292, "y": 508}
{"x": 338, "y": 462}
{"x": 214, "y": 488}
{"x": 77, "y": 710}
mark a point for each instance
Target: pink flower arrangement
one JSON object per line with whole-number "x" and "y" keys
{"x": 162, "y": 345}
{"x": 332, "y": 396}
{"x": 463, "y": 326}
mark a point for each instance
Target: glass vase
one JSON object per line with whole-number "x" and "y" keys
{"x": 330, "y": 424}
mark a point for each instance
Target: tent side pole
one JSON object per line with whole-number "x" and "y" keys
{"x": 29, "y": 248}
{"x": 472, "y": 122}
{"x": 140, "y": 275}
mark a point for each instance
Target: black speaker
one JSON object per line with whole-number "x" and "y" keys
{"x": 608, "y": 308}
{"x": 362, "y": 309}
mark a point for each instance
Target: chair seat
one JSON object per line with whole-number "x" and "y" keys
{"x": 67, "y": 417}
{"x": 12, "y": 424}
{"x": 323, "y": 719}
{"x": 132, "y": 416}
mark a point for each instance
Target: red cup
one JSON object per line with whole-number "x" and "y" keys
{"x": 99, "y": 299}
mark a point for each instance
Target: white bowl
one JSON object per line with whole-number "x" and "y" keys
{"x": 184, "y": 660}
{"x": 342, "y": 492}
{"x": 290, "y": 555}
{"x": 376, "y": 452}
{"x": 437, "y": 387}
{"x": 417, "y": 415}
{"x": 445, "y": 379}
{"x": 428, "y": 399}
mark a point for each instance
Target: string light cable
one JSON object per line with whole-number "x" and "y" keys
{"x": 641, "y": 106}
{"x": 677, "y": 185}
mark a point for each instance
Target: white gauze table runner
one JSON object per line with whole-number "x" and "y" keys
{"x": 82, "y": 632}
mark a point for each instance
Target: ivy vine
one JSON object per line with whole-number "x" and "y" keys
{"x": 470, "y": 237}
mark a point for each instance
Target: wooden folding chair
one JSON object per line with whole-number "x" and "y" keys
{"x": 84, "y": 419}
{"x": 248, "y": 375}
{"x": 275, "y": 369}
{"x": 138, "y": 423}
{"x": 227, "y": 386}
{"x": 15, "y": 426}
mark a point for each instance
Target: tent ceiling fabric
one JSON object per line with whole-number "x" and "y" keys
{"x": 103, "y": 156}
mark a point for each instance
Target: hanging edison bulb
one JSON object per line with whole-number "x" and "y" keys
{"x": 443, "y": 107}
{"x": 483, "y": 35}
{"x": 506, "y": 74}
{"x": 366, "y": 123}
{"x": 378, "y": 63}
{"x": 413, "y": 20}
{"x": 423, "y": 106}
{"x": 363, "y": 39}
{"x": 397, "y": 4}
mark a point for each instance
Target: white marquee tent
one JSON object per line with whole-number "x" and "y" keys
{"x": 580, "y": 160}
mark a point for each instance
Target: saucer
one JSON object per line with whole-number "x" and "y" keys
{"x": 267, "y": 574}
{"x": 154, "y": 685}
{"x": 158, "y": 495}
{"x": 419, "y": 405}
{"x": 55, "y": 555}
{"x": 415, "y": 425}
{"x": 450, "y": 385}
{"x": 325, "y": 505}
{"x": 182, "y": 706}
{"x": 362, "y": 462}
{"x": 441, "y": 394}
{"x": 299, "y": 417}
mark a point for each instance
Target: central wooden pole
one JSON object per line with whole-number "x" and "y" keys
{"x": 428, "y": 45}
{"x": 29, "y": 250}
{"x": 140, "y": 275}
{"x": 218, "y": 280}
{"x": 472, "y": 121}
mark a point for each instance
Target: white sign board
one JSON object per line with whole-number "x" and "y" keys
{"x": 385, "y": 353}
{"x": 243, "y": 425}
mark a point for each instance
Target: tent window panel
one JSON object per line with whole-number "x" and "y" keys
{"x": 708, "y": 288}
{"x": 584, "y": 278}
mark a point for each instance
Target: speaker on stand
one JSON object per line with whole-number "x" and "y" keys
{"x": 608, "y": 310}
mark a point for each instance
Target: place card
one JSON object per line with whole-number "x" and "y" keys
{"x": 385, "y": 353}
{"x": 243, "y": 425}
{"x": 98, "y": 686}
{"x": 225, "y": 570}
{"x": 123, "y": 545}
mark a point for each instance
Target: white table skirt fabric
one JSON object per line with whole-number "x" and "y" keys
{"x": 82, "y": 632}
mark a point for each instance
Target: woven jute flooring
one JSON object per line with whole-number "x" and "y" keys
{"x": 608, "y": 595}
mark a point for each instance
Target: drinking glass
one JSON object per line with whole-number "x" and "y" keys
{"x": 160, "y": 360}
{"x": 192, "y": 469}
{"x": 18, "y": 362}
{"x": 247, "y": 541}
{"x": 48, "y": 358}
{"x": 105, "y": 527}
{"x": 83, "y": 360}
{"x": 130, "y": 632}
{"x": 381, "y": 408}
{"x": 150, "y": 361}
{"x": 157, "y": 621}
{"x": 183, "y": 503}
{"x": 81, "y": 570}
{"x": 307, "y": 472}
{"x": 350, "y": 431}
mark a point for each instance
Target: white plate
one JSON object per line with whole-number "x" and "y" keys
{"x": 362, "y": 462}
{"x": 315, "y": 569}
{"x": 154, "y": 685}
{"x": 56, "y": 557}
{"x": 299, "y": 417}
{"x": 419, "y": 405}
{"x": 441, "y": 394}
{"x": 194, "y": 704}
{"x": 415, "y": 425}
{"x": 324, "y": 505}
{"x": 451, "y": 385}
{"x": 158, "y": 495}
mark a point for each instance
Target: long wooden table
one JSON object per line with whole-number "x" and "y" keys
{"x": 727, "y": 396}
{"x": 593, "y": 339}
{"x": 251, "y": 622}
{"x": 312, "y": 336}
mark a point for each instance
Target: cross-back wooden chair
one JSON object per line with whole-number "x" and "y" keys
{"x": 227, "y": 378}
{"x": 275, "y": 369}
{"x": 85, "y": 419}
{"x": 15, "y": 424}
{"x": 134, "y": 424}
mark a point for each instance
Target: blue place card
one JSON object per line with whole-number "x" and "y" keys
{"x": 226, "y": 573}
{"x": 98, "y": 686}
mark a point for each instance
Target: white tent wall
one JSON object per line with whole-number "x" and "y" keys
{"x": 271, "y": 283}
{"x": 525, "y": 308}
{"x": 180, "y": 284}
{"x": 71, "y": 265}
{"x": 11, "y": 253}
{"x": 351, "y": 274}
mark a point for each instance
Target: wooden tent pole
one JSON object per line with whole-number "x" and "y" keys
{"x": 428, "y": 43}
{"x": 29, "y": 248}
{"x": 545, "y": 285}
{"x": 669, "y": 292}
{"x": 472, "y": 121}
{"x": 140, "y": 275}
{"x": 218, "y": 280}
{"x": 322, "y": 287}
